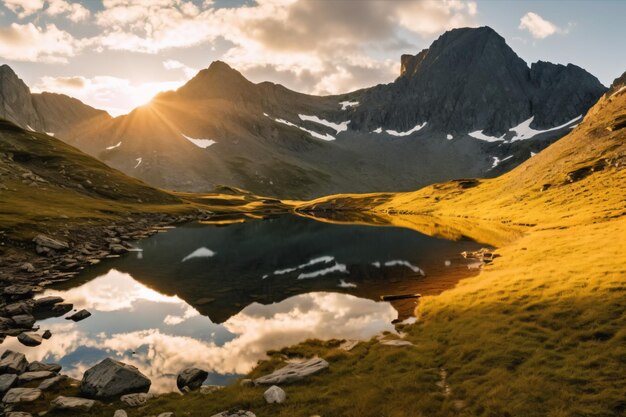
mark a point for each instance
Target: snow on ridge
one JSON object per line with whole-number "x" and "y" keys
{"x": 108, "y": 148}
{"x": 449, "y": 136}
{"x": 339, "y": 127}
{"x": 407, "y": 264}
{"x": 200, "y": 143}
{"x": 202, "y": 252}
{"x": 408, "y": 132}
{"x": 335, "y": 268}
{"x": 524, "y": 131}
{"x": 344, "y": 284}
{"x": 139, "y": 161}
{"x": 50, "y": 133}
{"x": 327, "y": 137}
{"x": 347, "y": 104}
{"x": 478, "y": 134}
{"x": 378, "y": 130}
{"x": 497, "y": 161}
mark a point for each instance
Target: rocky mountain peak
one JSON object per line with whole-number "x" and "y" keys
{"x": 218, "y": 80}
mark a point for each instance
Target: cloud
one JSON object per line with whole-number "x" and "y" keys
{"x": 24, "y": 8}
{"x": 172, "y": 64}
{"x": 36, "y": 44}
{"x": 538, "y": 27}
{"x": 74, "y": 11}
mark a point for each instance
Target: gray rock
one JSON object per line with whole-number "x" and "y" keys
{"x": 18, "y": 290}
{"x": 62, "y": 308}
{"x": 191, "y": 378}
{"x": 21, "y": 395}
{"x": 29, "y": 339}
{"x": 111, "y": 378}
{"x": 50, "y": 243}
{"x": 40, "y": 366}
{"x": 396, "y": 342}
{"x": 24, "y": 321}
{"x": 275, "y": 394}
{"x": 293, "y": 372}
{"x": 166, "y": 414}
{"x": 33, "y": 376}
{"x": 79, "y": 315}
{"x": 247, "y": 383}
{"x": 17, "y": 308}
{"x": 136, "y": 400}
{"x": 47, "y": 301}
{"x": 6, "y": 323}
{"x": 46, "y": 335}
{"x": 13, "y": 362}
{"x": 18, "y": 414}
{"x": 6, "y": 382}
{"x": 120, "y": 413}
{"x": 27, "y": 267}
{"x": 72, "y": 403}
{"x": 240, "y": 413}
{"x": 51, "y": 382}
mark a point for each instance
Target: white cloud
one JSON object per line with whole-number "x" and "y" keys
{"x": 172, "y": 64}
{"x": 24, "y": 8}
{"x": 37, "y": 44}
{"x": 538, "y": 27}
{"x": 74, "y": 11}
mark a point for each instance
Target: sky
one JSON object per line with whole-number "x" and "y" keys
{"x": 117, "y": 54}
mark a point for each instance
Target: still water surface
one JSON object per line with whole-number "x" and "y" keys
{"x": 220, "y": 297}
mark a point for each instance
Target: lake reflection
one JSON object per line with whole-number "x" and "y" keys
{"x": 220, "y": 297}
{"x": 167, "y": 335}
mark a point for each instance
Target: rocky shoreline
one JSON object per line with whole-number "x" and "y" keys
{"x": 48, "y": 260}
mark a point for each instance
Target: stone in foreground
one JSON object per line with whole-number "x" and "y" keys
{"x": 21, "y": 395}
{"x": 191, "y": 378}
{"x": 13, "y": 362}
{"x": 18, "y": 414}
{"x": 136, "y": 400}
{"x": 40, "y": 366}
{"x": 275, "y": 394}
{"x": 50, "y": 243}
{"x": 72, "y": 403}
{"x": 6, "y": 382}
{"x": 396, "y": 342}
{"x": 33, "y": 376}
{"x": 120, "y": 413}
{"x": 293, "y": 372}
{"x": 51, "y": 382}
{"x": 240, "y": 413}
{"x": 111, "y": 378}
{"x": 29, "y": 339}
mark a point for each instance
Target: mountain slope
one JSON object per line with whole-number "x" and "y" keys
{"x": 45, "y": 112}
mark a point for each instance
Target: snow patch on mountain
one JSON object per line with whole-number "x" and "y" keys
{"x": 378, "y": 130}
{"x": 497, "y": 161}
{"x": 202, "y": 252}
{"x": 407, "y": 264}
{"x": 200, "y": 143}
{"x": 344, "y": 284}
{"x": 139, "y": 161}
{"x": 326, "y": 137}
{"x": 478, "y": 134}
{"x": 347, "y": 104}
{"x": 108, "y": 148}
{"x": 50, "y": 133}
{"x": 449, "y": 136}
{"x": 335, "y": 268}
{"x": 417, "y": 128}
{"x": 338, "y": 127}
{"x": 524, "y": 131}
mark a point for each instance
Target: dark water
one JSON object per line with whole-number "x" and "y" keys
{"x": 220, "y": 297}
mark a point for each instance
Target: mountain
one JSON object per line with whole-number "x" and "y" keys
{"x": 466, "y": 107}
{"x": 46, "y": 112}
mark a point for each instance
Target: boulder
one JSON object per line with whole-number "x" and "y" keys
{"x": 46, "y": 335}
{"x": 18, "y": 414}
{"x": 62, "y": 308}
{"x": 79, "y": 315}
{"x": 72, "y": 403}
{"x": 136, "y": 400}
{"x": 21, "y": 395}
{"x": 13, "y": 362}
{"x": 293, "y": 372}
{"x": 51, "y": 382}
{"x": 40, "y": 366}
{"x": 166, "y": 414}
{"x": 14, "y": 309}
{"x": 111, "y": 378}
{"x": 24, "y": 321}
{"x": 27, "y": 267}
{"x": 33, "y": 376}
{"x": 275, "y": 394}
{"x": 29, "y": 339}
{"x": 6, "y": 382}
{"x": 120, "y": 413}
{"x": 50, "y": 243}
{"x": 396, "y": 342}
{"x": 6, "y": 323}
{"x": 191, "y": 378}
{"x": 240, "y": 413}
{"x": 47, "y": 301}
{"x": 18, "y": 290}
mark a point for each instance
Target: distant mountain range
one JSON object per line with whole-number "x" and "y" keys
{"x": 468, "y": 106}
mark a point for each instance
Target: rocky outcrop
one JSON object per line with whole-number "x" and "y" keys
{"x": 13, "y": 362}
{"x": 72, "y": 403}
{"x": 275, "y": 394}
{"x": 190, "y": 379}
{"x": 21, "y": 395}
{"x": 111, "y": 378}
{"x": 293, "y": 372}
